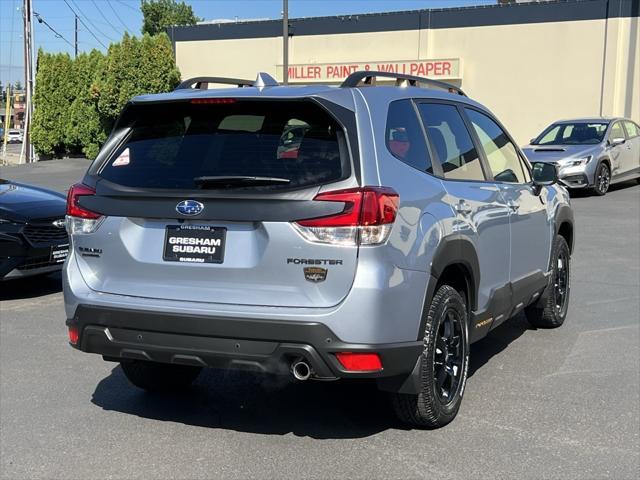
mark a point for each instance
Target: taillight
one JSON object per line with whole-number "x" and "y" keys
{"x": 360, "y": 361}
{"x": 366, "y": 219}
{"x": 73, "y": 208}
{"x": 79, "y": 219}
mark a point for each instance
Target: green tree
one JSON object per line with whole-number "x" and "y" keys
{"x": 52, "y": 97}
{"x": 76, "y": 102}
{"x": 157, "y": 15}
{"x": 84, "y": 131}
{"x": 133, "y": 67}
{"x": 17, "y": 86}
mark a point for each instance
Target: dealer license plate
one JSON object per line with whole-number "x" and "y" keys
{"x": 59, "y": 253}
{"x": 194, "y": 244}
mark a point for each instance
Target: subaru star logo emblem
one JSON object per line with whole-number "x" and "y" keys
{"x": 189, "y": 207}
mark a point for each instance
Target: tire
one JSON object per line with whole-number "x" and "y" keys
{"x": 602, "y": 179}
{"x": 159, "y": 377}
{"x": 434, "y": 407}
{"x": 550, "y": 310}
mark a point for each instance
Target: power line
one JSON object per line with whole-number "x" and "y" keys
{"x": 105, "y": 18}
{"x": 127, "y": 5}
{"x": 91, "y": 22}
{"x": 84, "y": 24}
{"x": 117, "y": 16}
{"x": 55, "y": 32}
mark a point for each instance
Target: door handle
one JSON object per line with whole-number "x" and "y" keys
{"x": 462, "y": 207}
{"x": 513, "y": 205}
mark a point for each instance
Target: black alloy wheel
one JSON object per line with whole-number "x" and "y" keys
{"x": 561, "y": 282}
{"x": 443, "y": 364}
{"x": 551, "y": 308}
{"x": 448, "y": 356}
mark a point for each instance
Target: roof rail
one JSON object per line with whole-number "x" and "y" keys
{"x": 368, "y": 78}
{"x": 202, "y": 83}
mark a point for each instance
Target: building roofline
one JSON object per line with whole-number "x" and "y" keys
{"x": 474, "y": 16}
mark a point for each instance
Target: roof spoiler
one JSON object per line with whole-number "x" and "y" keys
{"x": 202, "y": 83}
{"x": 366, "y": 78}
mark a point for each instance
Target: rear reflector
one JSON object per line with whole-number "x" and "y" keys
{"x": 213, "y": 101}
{"x": 366, "y": 219}
{"x": 360, "y": 362}
{"x": 73, "y": 335}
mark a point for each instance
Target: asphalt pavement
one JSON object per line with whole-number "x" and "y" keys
{"x": 561, "y": 403}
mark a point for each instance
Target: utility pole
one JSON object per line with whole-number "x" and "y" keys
{"x": 285, "y": 41}
{"x": 7, "y": 118}
{"x": 27, "y": 150}
{"x": 75, "y": 43}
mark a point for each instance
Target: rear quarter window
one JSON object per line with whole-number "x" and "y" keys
{"x": 169, "y": 145}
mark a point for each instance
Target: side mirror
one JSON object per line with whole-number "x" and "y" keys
{"x": 544, "y": 174}
{"x": 531, "y": 141}
{"x": 614, "y": 142}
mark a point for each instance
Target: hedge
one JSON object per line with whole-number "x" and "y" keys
{"x": 77, "y": 101}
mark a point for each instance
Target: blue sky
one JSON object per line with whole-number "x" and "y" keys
{"x": 106, "y": 20}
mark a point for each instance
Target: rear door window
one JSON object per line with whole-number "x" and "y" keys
{"x": 631, "y": 128}
{"x": 452, "y": 142}
{"x": 404, "y": 136}
{"x": 170, "y": 145}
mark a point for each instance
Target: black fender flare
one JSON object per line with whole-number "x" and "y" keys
{"x": 564, "y": 214}
{"x": 452, "y": 250}
{"x": 457, "y": 250}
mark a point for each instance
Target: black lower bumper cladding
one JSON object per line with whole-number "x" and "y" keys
{"x": 260, "y": 345}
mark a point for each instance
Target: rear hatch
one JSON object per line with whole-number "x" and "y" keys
{"x": 198, "y": 199}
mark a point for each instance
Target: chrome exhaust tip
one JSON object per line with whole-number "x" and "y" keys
{"x": 301, "y": 370}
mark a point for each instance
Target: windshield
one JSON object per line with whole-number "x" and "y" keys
{"x": 577, "y": 133}
{"x": 244, "y": 144}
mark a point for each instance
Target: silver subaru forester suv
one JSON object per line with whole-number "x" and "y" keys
{"x": 364, "y": 231}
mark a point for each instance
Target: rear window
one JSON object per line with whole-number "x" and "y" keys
{"x": 172, "y": 144}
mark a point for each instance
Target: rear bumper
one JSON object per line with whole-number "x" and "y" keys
{"x": 234, "y": 343}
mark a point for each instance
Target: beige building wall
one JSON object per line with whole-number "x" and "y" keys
{"x": 241, "y": 58}
{"x": 528, "y": 74}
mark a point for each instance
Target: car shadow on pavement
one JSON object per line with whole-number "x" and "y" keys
{"x": 583, "y": 193}
{"x": 277, "y": 405}
{"x": 496, "y": 341}
{"x": 247, "y": 402}
{"x": 30, "y": 287}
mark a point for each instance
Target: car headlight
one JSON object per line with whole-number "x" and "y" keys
{"x": 580, "y": 162}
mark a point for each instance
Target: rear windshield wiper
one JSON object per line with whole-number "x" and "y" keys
{"x": 237, "y": 181}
